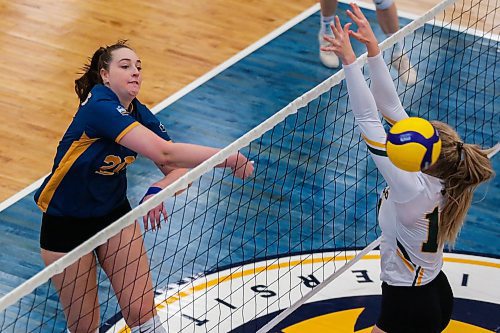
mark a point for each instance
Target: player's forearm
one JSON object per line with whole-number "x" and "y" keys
{"x": 372, "y": 48}
{"x": 185, "y": 155}
{"x": 363, "y": 104}
{"x": 170, "y": 177}
{"x": 384, "y": 92}
{"x": 366, "y": 115}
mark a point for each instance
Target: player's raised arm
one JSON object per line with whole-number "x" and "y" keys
{"x": 382, "y": 87}
{"x": 366, "y": 114}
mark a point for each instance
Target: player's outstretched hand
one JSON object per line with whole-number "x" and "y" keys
{"x": 365, "y": 33}
{"x": 340, "y": 43}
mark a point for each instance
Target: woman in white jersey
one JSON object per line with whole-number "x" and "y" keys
{"x": 419, "y": 211}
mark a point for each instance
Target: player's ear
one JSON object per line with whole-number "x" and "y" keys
{"x": 104, "y": 76}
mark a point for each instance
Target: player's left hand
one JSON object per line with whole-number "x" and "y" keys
{"x": 153, "y": 217}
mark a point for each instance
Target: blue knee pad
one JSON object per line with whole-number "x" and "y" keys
{"x": 383, "y": 4}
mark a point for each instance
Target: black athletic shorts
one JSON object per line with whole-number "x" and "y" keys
{"x": 422, "y": 309}
{"x": 63, "y": 234}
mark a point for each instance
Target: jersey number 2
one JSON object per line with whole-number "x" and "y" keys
{"x": 114, "y": 164}
{"x": 431, "y": 245}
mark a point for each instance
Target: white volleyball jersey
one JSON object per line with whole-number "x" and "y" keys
{"x": 409, "y": 250}
{"x": 410, "y": 206}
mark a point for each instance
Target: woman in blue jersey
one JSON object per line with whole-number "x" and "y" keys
{"x": 419, "y": 211}
{"x": 86, "y": 190}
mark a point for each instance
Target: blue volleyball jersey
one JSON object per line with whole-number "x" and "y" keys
{"x": 88, "y": 178}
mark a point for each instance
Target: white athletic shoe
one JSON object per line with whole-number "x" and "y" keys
{"x": 405, "y": 69}
{"x": 329, "y": 59}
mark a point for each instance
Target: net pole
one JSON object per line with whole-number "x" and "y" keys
{"x": 266, "y": 328}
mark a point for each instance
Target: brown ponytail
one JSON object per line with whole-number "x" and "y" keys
{"x": 461, "y": 167}
{"x": 91, "y": 71}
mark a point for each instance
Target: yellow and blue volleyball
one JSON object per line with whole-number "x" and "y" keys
{"x": 413, "y": 144}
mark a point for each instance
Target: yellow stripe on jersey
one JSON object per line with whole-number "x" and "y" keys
{"x": 420, "y": 275}
{"x": 375, "y": 144}
{"x": 389, "y": 120}
{"x": 125, "y": 131}
{"x": 375, "y": 147}
{"x": 76, "y": 149}
{"x": 406, "y": 262}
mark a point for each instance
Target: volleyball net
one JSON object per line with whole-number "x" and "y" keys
{"x": 234, "y": 251}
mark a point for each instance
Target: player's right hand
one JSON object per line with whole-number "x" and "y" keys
{"x": 153, "y": 217}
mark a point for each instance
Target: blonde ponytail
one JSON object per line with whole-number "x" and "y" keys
{"x": 461, "y": 167}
